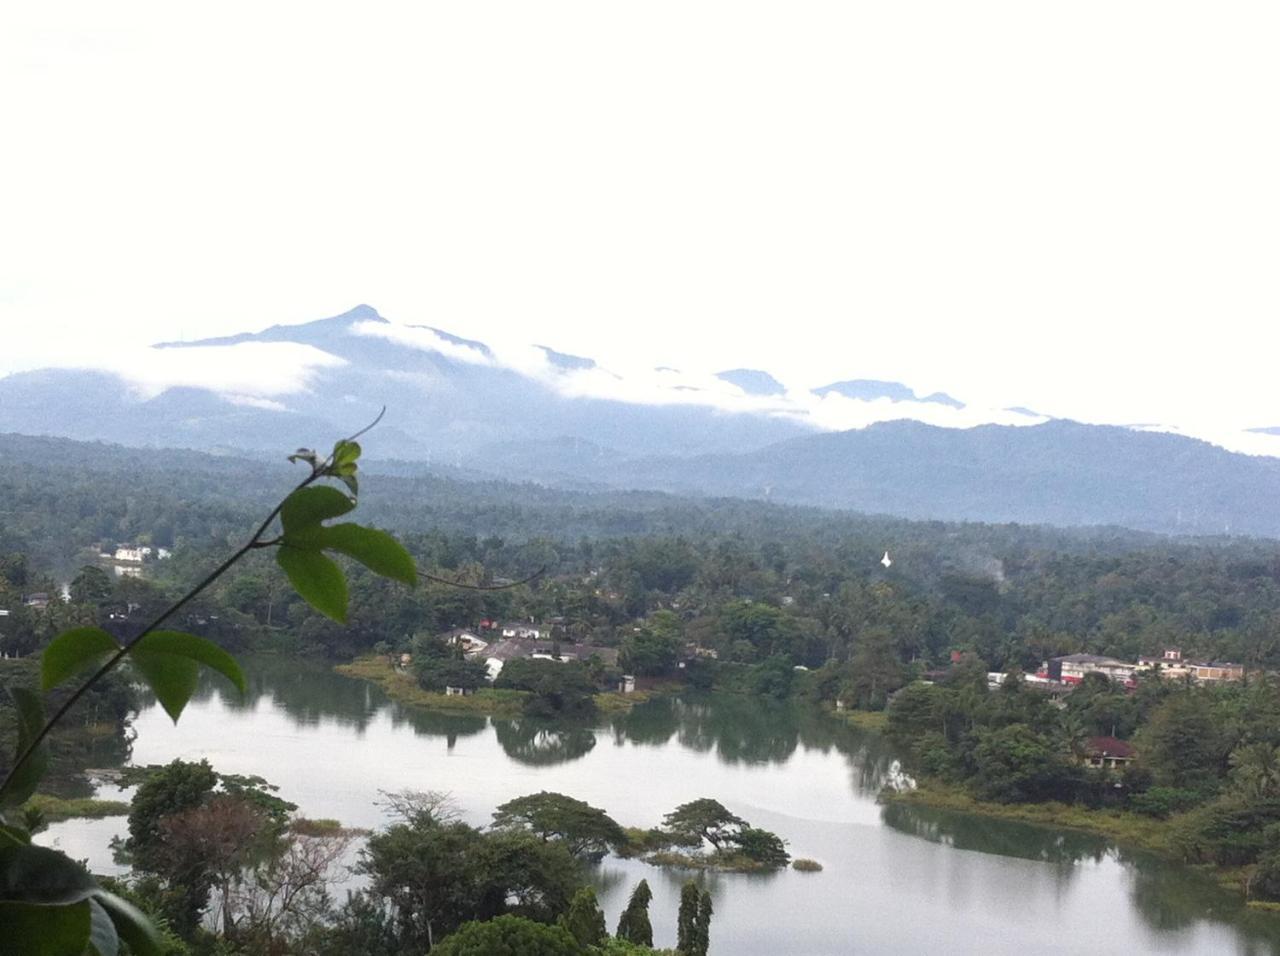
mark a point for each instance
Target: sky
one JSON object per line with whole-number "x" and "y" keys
{"x": 1067, "y": 206}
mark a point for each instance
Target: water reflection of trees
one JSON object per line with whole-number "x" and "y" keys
{"x": 305, "y": 692}
{"x": 754, "y": 731}
{"x": 540, "y": 743}
{"x": 1169, "y": 898}
{"x": 989, "y": 835}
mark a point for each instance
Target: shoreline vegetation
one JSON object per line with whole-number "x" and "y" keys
{"x": 53, "y": 809}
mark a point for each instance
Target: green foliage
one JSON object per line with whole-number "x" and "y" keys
{"x": 585, "y": 831}
{"x": 72, "y": 651}
{"x": 560, "y": 689}
{"x": 687, "y": 918}
{"x": 509, "y": 936}
{"x": 761, "y": 846}
{"x": 1015, "y": 764}
{"x": 23, "y": 779}
{"x": 584, "y": 920}
{"x": 50, "y": 905}
{"x": 436, "y": 874}
{"x": 633, "y": 924}
{"x": 1182, "y": 745}
{"x": 703, "y": 819}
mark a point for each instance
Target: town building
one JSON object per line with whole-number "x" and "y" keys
{"x": 1072, "y": 668}
{"x": 1108, "y": 753}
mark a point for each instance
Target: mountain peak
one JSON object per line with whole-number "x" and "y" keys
{"x": 563, "y": 360}
{"x": 753, "y": 381}
{"x": 870, "y": 390}
{"x": 361, "y": 313}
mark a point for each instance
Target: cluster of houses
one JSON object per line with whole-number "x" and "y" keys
{"x": 127, "y": 560}
{"x": 519, "y": 641}
{"x": 1072, "y": 668}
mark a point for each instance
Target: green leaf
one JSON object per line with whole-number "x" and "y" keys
{"x": 376, "y": 550}
{"x": 34, "y": 930}
{"x": 131, "y": 924}
{"x": 37, "y": 874}
{"x": 73, "y": 650}
{"x": 317, "y": 579}
{"x": 24, "y": 779}
{"x": 173, "y": 677}
{"x": 307, "y": 507}
{"x": 102, "y": 932}
{"x": 345, "y": 455}
{"x": 197, "y": 649}
{"x": 169, "y": 660}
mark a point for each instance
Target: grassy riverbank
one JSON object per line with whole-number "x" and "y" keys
{"x": 863, "y": 719}
{"x": 400, "y": 686}
{"x": 60, "y": 808}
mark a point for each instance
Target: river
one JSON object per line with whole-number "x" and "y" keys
{"x": 896, "y": 879}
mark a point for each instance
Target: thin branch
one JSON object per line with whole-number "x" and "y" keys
{"x": 483, "y": 587}
{"x": 370, "y": 426}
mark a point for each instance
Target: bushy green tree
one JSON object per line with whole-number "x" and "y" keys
{"x": 509, "y": 936}
{"x": 585, "y": 831}
{"x": 703, "y": 819}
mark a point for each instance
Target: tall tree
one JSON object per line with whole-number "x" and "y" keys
{"x": 633, "y": 924}
{"x": 584, "y": 918}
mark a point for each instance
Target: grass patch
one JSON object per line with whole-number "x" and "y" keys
{"x": 323, "y": 827}
{"x": 805, "y": 865}
{"x": 400, "y": 686}
{"x": 61, "y": 808}
{"x": 865, "y": 719}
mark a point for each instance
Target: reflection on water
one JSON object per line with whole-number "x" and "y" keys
{"x": 897, "y": 879}
{"x": 987, "y": 835}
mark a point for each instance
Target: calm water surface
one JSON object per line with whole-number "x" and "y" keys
{"x": 896, "y": 879}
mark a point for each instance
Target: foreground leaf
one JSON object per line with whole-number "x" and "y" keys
{"x": 197, "y": 649}
{"x": 173, "y": 678}
{"x": 376, "y": 550}
{"x": 307, "y": 507}
{"x": 25, "y": 778}
{"x": 33, "y": 930}
{"x": 72, "y": 651}
{"x": 37, "y": 874}
{"x": 131, "y": 924}
{"x": 316, "y": 579}
{"x": 102, "y": 932}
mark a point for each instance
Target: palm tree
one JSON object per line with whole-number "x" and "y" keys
{"x": 1255, "y": 768}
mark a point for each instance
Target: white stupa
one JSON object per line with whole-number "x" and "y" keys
{"x": 886, "y": 560}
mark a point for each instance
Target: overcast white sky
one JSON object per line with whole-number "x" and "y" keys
{"x": 1070, "y": 206}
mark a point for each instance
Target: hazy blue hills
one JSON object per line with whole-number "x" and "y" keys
{"x": 458, "y": 407}
{"x": 1061, "y": 473}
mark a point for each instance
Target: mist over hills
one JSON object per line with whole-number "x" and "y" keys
{"x": 563, "y": 420}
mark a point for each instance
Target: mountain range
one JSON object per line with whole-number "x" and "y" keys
{"x": 543, "y": 415}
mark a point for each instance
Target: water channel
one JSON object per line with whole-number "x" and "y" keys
{"x": 896, "y": 879}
